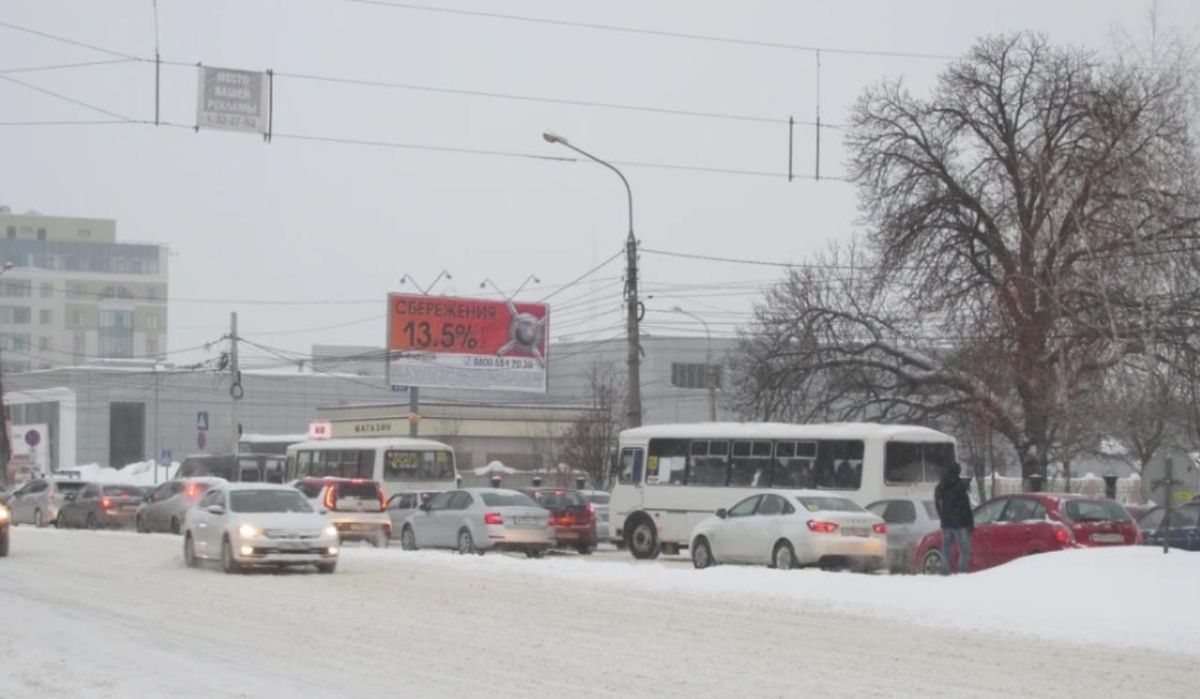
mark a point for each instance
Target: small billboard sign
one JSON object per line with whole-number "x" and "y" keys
{"x": 320, "y": 429}
{"x": 450, "y": 342}
{"x": 235, "y": 100}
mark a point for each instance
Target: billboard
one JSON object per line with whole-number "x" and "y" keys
{"x": 448, "y": 342}
{"x": 236, "y": 100}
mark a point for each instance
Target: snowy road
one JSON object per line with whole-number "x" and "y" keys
{"x": 117, "y": 615}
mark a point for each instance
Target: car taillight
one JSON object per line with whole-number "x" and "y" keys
{"x": 1062, "y": 535}
{"x": 382, "y": 499}
{"x": 330, "y": 500}
{"x": 822, "y": 527}
{"x": 493, "y": 518}
{"x": 105, "y": 503}
{"x": 591, "y": 511}
{"x": 880, "y": 528}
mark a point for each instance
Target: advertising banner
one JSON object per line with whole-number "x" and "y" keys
{"x": 447, "y": 342}
{"x": 236, "y": 100}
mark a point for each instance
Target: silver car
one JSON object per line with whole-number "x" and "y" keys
{"x": 475, "y": 520}
{"x": 164, "y": 508}
{"x": 401, "y": 505}
{"x": 908, "y": 521}
{"x": 37, "y": 502}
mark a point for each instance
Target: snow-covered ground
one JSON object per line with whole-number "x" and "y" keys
{"x": 117, "y": 615}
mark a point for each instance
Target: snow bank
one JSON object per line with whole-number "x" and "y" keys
{"x": 140, "y": 473}
{"x": 494, "y": 467}
{"x": 1118, "y": 596}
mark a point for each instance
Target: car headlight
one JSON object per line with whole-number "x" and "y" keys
{"x": 248, "y": 531}
{"x": 3, "y": 513}
{"x": 330, "y": 531}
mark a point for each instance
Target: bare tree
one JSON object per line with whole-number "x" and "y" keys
{"x": 592, "y": 437}
{"x": 1030, "y": 224}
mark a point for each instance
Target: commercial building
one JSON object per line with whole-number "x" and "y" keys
{"x": 73, "y": 293}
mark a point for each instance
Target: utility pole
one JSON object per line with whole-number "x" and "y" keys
{"x": 235, "y": 394}
{"x": 157, "y": 445}
{"x": 633, "y": 307}
{"x": 5, "y": 437}
{"x": 414, "y": 392}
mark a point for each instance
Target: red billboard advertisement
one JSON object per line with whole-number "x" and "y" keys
{"x": 449, "y": 342}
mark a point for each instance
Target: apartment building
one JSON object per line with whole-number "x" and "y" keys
{"x": 73, "y": 293}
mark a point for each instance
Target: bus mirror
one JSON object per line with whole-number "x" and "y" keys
{"x": 722, "y": 513}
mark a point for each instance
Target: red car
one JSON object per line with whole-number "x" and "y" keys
{"x": 571, "y": 515}
{"x": 1011, "y": 526}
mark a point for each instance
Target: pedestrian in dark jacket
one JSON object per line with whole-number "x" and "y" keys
{"x": 958, "y": 521}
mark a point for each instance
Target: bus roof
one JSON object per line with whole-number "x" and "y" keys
{"x": 370, "y": 443}
{"x": 782, "y": 430}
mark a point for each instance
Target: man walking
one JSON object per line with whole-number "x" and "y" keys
{"x": 958, "y": 521}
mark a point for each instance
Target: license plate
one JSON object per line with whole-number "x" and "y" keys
{"x": 528, "y": 521}
{"x": 856, "y": 531}
{"x": 1108, "y": 538}
{"x": 290, "y": 545}
{"x": 352, "y": 527}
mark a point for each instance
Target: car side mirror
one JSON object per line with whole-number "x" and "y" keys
{"x": 215, "y": 510}
{"x": 722, "y": 513}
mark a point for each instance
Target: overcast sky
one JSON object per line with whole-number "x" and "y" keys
{"x": 310, "y": 221}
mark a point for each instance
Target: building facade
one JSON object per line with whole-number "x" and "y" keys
{"x": 73, "y": 293}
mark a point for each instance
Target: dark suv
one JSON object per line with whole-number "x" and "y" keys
{"x": 354, "y": 505}
{"x": 572, "y": 517}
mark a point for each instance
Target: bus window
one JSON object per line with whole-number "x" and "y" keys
{"x": 668, "y": 461}
{"x": 795, "y": 465}
{"x": 915, "y": 462}
{"x": 304, "y": 463}
{"x": 839, "y": 464}
{"x": 410, "y": 465}
{"x": 751, "y": 464}
{"x": 631, "y": 466}
{"x": 709, "y": 463}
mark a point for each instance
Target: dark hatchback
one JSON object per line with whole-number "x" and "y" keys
{"x": 571, "y": 515}
{"x": 1183, "y": 532}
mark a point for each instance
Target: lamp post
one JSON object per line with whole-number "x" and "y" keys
{"x": 633, "y": 400}
{"x": 709, "y": 370}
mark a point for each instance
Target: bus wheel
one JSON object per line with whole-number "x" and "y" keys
{"x": 642, "y": 538}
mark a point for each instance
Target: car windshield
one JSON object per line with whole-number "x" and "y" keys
{"x": 828, "y": 504}
{"x": 559, "y": 498}
{"x": 1096, "y": 511}
{"x": 268, "y": 501}
{"x": 598, "y": 498}
{"x": 69, "y": 486}
{"x": 123, "y": 491}
{"x": 508, "y": 500}
{"x": 366, "y": 492}
{"x": 310, "y": 490}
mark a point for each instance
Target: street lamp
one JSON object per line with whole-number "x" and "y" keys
{"x": 5, "y": 439}
{"x": 709, "y": 369}
{"x": 633, "y": 407}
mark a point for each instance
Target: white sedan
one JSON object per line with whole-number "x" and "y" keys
{"x": 255, "y": 524}
{"x": 791, "y": 528}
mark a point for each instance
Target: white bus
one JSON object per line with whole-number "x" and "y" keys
{"x": 398, "y": 463}
{"x": 672, "y": 476}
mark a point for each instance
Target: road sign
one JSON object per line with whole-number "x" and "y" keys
{"x": 166, "y": 456}
{"x": 450, "y": 342}
{"x": 235, "y": 100}
{"x": 33, "y": 437}
{"x": 320, "y": 429}
{"x": 202, "y": 421}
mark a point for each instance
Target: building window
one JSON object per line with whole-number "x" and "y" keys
{"x": 41, "y": 234}
{"x": 43, "y": 343}
{"x": 17, "y": 342}
{"x": 16, "y": 288}
{"x": 80, "y": 343}
{"x": 154, "y": 293}
{"x": 78, "y": 319}
{"x": 75, "y": 291}
{"x": 15, "y": 315}
{"x": 45, "y": 316}
{"x": 12, "y": 232}
{"x": 47, "y": 289}
{"x": 152, "y": 321}
{"x": 151, "y": 346}
{"x": 116, "y": 334}
{"x": 85, "y": 233}
{"x": 693, "y": 375}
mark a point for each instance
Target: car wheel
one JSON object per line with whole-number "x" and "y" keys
{"x": 91, "y": 522}
{"x": 466, "y": 544}
{"x": 37, "y": 519}
{"x": 931, "y": 564}
{"x": 189, "y": 552}
{"x": 139, "y": 525}
{"x": 326, "y": 568}
{"x": 585, "y": 549}
{"x": 59, "y": 523}
{"x": 642, "y": 539}
{"x": 784, "y": 556}
{"x": 701, "y": 554}
{"x": 228, "y": 563}
{"x": 408, "y": 539}
{"x": 535, "y": 553}
{"x": 380, "y": 541}
{"x": 175, "y": 526}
